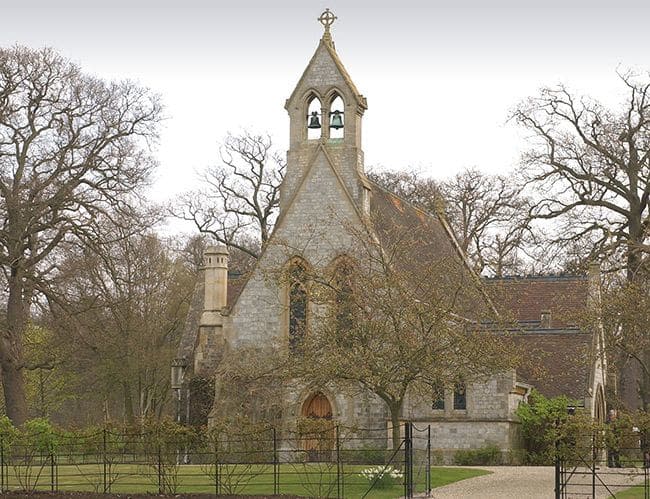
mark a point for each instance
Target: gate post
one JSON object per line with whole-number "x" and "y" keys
{"x": 2, "y": 465}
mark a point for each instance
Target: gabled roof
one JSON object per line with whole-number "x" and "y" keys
{"x": 329, "y": 48}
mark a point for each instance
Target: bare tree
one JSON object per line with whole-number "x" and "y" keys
{"x": 239, "y": 203}
{"x": 588, "y": 170}
{"x": 626, "y": 318}
{"x": 488, "y": 214}
{"x": 410, "y": 185}
{"x": 119, "y": 314}
{"x": 70, "y": 152}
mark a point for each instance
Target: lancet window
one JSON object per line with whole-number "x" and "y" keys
{"x": 343, "y": 295}
{"x": 298, "y": 304}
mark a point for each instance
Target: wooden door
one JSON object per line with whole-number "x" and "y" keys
{"x": 319, "y": 441}
{"x": 317, "y": 406}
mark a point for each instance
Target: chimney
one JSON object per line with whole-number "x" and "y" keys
{"x": 593, "y": 278}
{"x": 545, "y": 319}
{"x": 215, "y": 264}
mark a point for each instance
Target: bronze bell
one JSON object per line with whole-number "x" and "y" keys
{"x": 314, "y": 121}
{"x": 337, "y": 120}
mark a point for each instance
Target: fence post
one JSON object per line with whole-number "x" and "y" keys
{"x": 339, "y": 494}
{"x": 428, "y": 474}
{"x": 104, "y": 458}
{"x": 558, "y": 493}
{"x": 160, "y": 477}
{"x": 216, "y": 465}
{"x": 408, "y": 460}
{"x": 276, "y": 464}
{"x": 52, "y": 476}
{"x": 593, "y": 465}
{"x": 646, "y": 477}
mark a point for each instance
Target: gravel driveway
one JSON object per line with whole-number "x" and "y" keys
{"x": 532, "y": 482}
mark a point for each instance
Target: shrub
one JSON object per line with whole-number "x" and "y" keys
{"x": 544, "y": 421}
{"x": 489, "y": 454}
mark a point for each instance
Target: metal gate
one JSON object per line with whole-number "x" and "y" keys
{"x": 593, "y": 467}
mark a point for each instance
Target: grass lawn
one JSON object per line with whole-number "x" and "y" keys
{"x": 307, "y": 479}
{"x": 631, "y": 493}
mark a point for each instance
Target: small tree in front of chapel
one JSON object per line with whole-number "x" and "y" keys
{"x": 399, "y": 316}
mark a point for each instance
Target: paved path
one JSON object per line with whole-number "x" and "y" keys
{"x": 528, "y": 482}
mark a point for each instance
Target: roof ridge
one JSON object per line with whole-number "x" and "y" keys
{"x": 538, "y": 277}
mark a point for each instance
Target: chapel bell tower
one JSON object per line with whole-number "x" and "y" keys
{"x": 325, "y": 113}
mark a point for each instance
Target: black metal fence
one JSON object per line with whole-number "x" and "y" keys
{"x": 331, "y": 462}
{"x": 603, "y": 464}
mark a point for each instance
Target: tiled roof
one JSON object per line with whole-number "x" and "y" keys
{"x": 557, "y": 362}
{"x": 425, "y": 240}
{"x": 523, "y": 299}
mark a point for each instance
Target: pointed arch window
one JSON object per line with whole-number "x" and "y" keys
{"x": 298, "y": 304}
{"x": 438, "y": 403}
{"x": 343, "y": 296}
{"x": 314, "y": 118}
{"x": 460, "y": 396}
{"x": 336, "y": 117}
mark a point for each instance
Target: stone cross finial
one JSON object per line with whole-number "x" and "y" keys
{"x": 327, "y": 18}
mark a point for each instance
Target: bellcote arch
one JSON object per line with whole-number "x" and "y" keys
{"x": 313, "y": 103}
{"x": 335, "y": 113}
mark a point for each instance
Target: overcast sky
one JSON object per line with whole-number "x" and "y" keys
{"x": 440, "y": 76}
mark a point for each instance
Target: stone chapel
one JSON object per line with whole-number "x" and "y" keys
{"x": 325, "y": 176}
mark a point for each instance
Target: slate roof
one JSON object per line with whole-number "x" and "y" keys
{"x": 557, "y": 359}
{"x": 557, "y": 362}
{"x": 525, "y": 298}
{"x": 426, "y": 241}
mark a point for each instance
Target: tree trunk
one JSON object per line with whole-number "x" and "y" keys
{"x": 395, "y": 410}
{"x": 128, "y": 402}
{"x": 11, "y": 352}
{"x": 644, "y": 381}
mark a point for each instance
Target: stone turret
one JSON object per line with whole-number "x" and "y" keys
{"x": 211, "y": 328}
{"x": 215, "y": 264}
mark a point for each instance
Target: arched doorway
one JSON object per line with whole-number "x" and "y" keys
{"x": 317, "y": 406}
{"x": 317, "y": 429}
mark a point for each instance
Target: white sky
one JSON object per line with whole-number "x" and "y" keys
{"x": 440, "y": 76}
